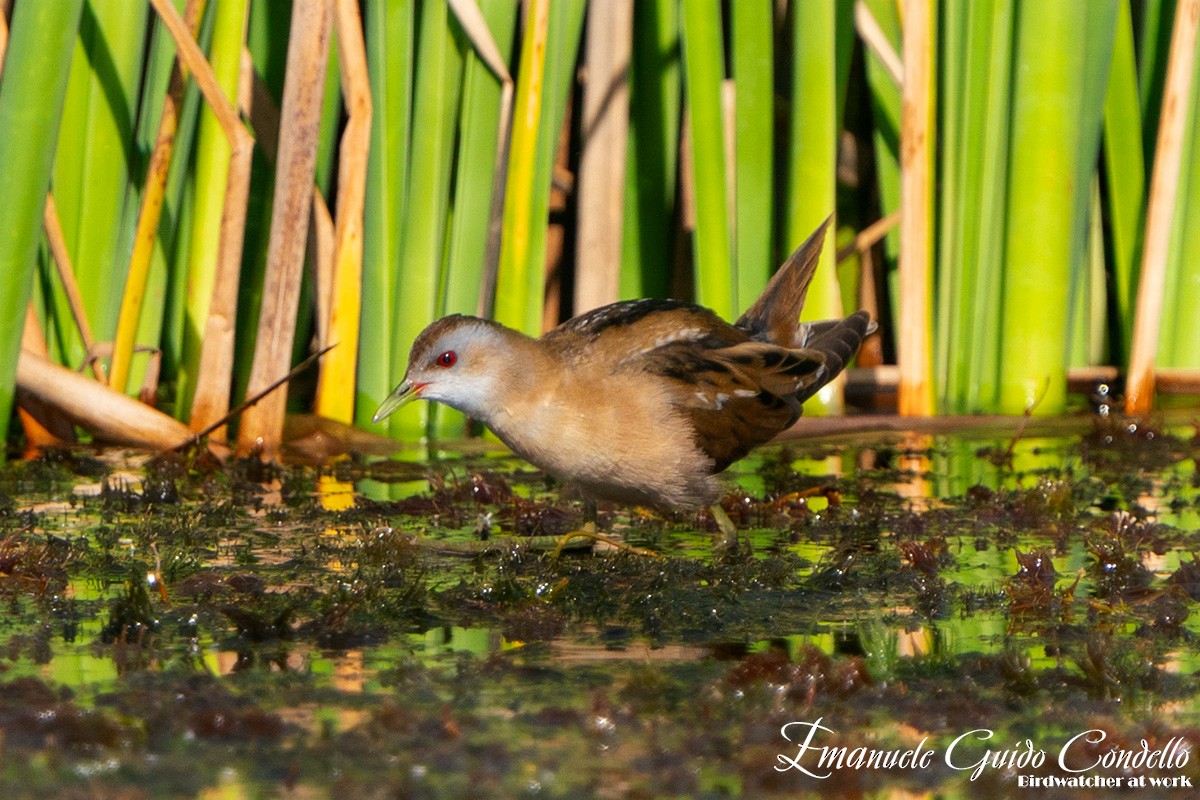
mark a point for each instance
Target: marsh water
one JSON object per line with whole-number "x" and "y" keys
{"x": 963, "y": 616}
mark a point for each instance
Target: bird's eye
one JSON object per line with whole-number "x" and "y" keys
{"x": 447, "y": 359}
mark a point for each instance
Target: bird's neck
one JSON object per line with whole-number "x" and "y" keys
{"x": 529, "y": 391}
{"x": 517, "y": 365}
{"x": 521, "y": 358}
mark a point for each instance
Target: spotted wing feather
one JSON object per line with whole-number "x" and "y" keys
{"x": 736, "y": 398}
{"x": 629, "y": 329}
{"x": 837, "y": 340}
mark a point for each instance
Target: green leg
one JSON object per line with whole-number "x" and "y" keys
{"x": 727, "y": 531}
{"x": 588, "y": 531}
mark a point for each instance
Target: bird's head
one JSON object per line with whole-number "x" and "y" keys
{"x": 457, "y": 360}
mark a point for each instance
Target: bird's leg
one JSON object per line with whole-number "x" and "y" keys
{"x": 588, "y": 531}
{"x": 728, "y": 532}
{"x": 585, "y": 531}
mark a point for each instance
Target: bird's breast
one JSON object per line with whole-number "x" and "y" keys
{"x": 615, "y": 439}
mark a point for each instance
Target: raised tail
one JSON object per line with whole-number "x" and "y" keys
{"x": 775, "y": 315}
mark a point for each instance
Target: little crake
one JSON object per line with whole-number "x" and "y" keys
{"x": 642, "y": 401}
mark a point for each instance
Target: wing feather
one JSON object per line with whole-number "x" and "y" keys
{"x": 625, "y": 331}
{"x": 736, "y": 398}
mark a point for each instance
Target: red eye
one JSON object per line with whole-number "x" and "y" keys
{"x": 447, "y": 359}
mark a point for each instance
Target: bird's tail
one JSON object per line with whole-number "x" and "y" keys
{"x": 775, "y": 315}
{"x": 836, "y": 339}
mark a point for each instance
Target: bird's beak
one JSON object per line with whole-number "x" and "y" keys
{"x": 401, "y": 395}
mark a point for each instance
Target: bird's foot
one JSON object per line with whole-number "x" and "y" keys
{"x": 588, "y": 531}
{"x": 727, "y": 534}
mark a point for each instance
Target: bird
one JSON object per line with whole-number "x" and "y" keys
{"x": 643, "y": 402}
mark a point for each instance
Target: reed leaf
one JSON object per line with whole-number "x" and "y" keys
{"x": 1125, "y": 178}
{"x": 1153, "y": 22}
{"x": 966, "y": 51}
{"x": 335, "y": 388}
{"x": 476, "y": 165}
{"x": 331, "y": 122}
{"x": 513, "y": 277}
{"x": 32, "y": 93}
{"x": 822, "y": 34}
{"x": 174, "y": 243}
{"x": 95, "y": 159}
{"x": 982, "y": 380}
{"x": 213, "y": 154}
{"x": 464, "y": 271}
{"x": 214, "y": 368}
{"x": 389, "y": 39}
{"x": 158, "y": 124}
{"x": 1048, "y": 141}
{"x": 563, "y": 41}
{"x": 753, "y": 34}
{"x": 1179, "y": 338}
{"x": 884, "y": 86}
{"x": 704, "y": 72}
{"x": 261, "y": 427}
{"x": 1099, "y": 32}
{"x": 168, "y": 273}
{"x": 648, "y": 235}
{"x": 1089, "y": 300}
{"x": 540, "y": 106}
{"x": 435, "y": 104}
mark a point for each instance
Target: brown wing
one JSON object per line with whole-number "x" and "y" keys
{"x": 737, "y": 397}
{"x": 625, "y": 331}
